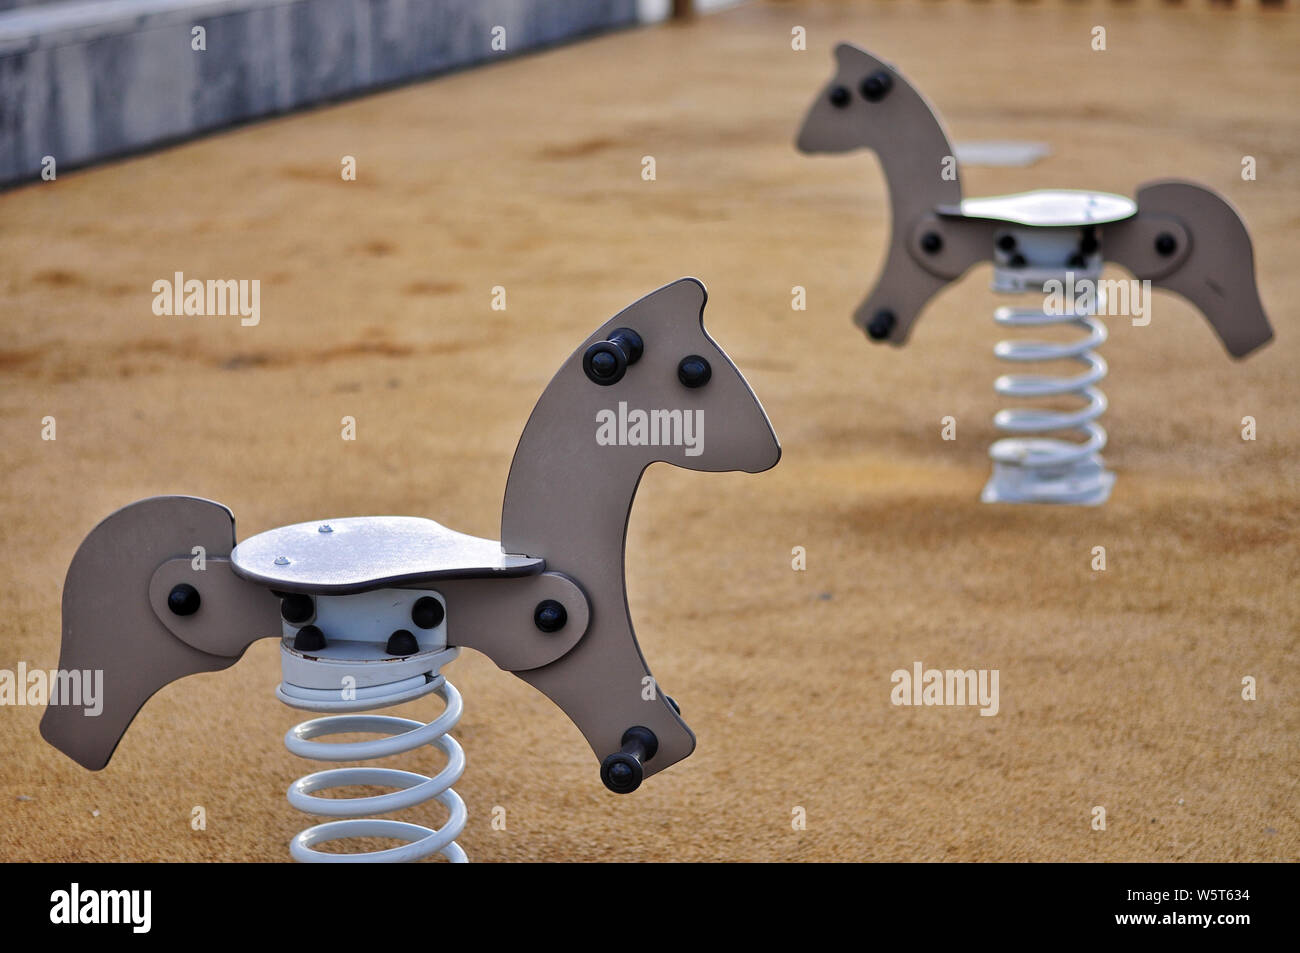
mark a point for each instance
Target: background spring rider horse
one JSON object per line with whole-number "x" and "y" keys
{"x": 369, "y": 609}
{"x": 1179, "y": 236}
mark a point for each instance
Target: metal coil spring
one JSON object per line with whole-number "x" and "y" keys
{"x": 1051, "y": 459}
{"x": 403, "y": 735}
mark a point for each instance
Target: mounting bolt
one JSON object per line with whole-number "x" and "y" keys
{"x": 183, "y": 599}
{"x": 427, "y": 612}
{"x": 1166, "y": 244}
{"x": 604, "y": 363}
{"x": 282, "y": 560}
{"x": 309, "y": 639}
{"x": 1017, "y": 261}
{"x": 550, "y": 616}
{"x": 694, "y": 371}
{"x": 840, "y": 96}
{"x": 622, "y": 771}
{"x": 1007, "y": 242}
{"x": 629, "y": 342}
{"x": 296, "y": 608}
{"x": 881, "y": 325}
{"x": 324, "y": 528}
{"x": 402, "y": 642}
{"x": 931, "y": 242}
{"x": 876, "y": 86}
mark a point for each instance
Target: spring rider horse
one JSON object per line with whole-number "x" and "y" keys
{"x": 1179, "y": 236}
{"x": 370, "y": 609}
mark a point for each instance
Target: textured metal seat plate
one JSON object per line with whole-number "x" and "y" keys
{"x": 369, "y": 552}
{"x": 1051, "y": 208}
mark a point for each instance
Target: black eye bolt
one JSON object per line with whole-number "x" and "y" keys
{"x": 605, "y": 362}
{"x": 877, "y": 86}
{"x": 694, "y": 371}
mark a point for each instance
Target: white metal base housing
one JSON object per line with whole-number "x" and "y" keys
{"x": 353, "y": 672}
{"x": 1086, "y": 483}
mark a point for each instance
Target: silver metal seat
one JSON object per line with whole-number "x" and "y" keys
{"x": 1047, "y": 208}
{"x": 360, "y": 553}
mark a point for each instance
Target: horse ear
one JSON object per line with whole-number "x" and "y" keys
{"x": 681, "y": 300}
{"x": 846, "y": 54}
{"x": 687, "y": 292}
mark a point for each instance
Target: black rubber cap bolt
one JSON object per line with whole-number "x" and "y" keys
{"x": 604, "y": 363}
{"x": 183, "y": 599}
{"x": 622, "y": 772}
{"x": 1166, "y": 244}
{"x": 877, "y": 86}
{"x": 879, "y": 327}
{"x": 427, "y": 613}
{"x": 840, "y": 96}
{"x": 402, "y": 642}
{"x": 309, "y": 639}
{"x": 550, "y": 616}
{"x": 296, "y": 608}
{"x": 694, "y": 371}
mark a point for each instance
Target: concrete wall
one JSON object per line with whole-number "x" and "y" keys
{"x": 83, "y": 81}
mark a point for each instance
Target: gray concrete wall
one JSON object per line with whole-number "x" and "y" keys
{"x": 83, "y": 81}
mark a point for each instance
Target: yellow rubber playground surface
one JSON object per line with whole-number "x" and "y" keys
{"x": 1118, "y": 689}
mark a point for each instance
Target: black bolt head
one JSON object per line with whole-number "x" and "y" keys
{"x": 309, "y": 639}
{"x": 876, "y": 86}
{"x": 427, "y": 612}
{"x": 879, "y": 327}
{"x": 296, "y": 608}
{"x": 402, "y": 642}
{"x": 183, "y": 599}
{"x": 840, "y": 96}
{"x": 550, "y": 616}
{"x": 694, "y": 371}
{"x": 1007, "y": 242}
{"x": 622, "y": 773}
{"x": 604, "y": 363}
{"x": 1166, "y": 244}
{"x": 1018, "y": 260}
{"x": 931, "y": 242}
